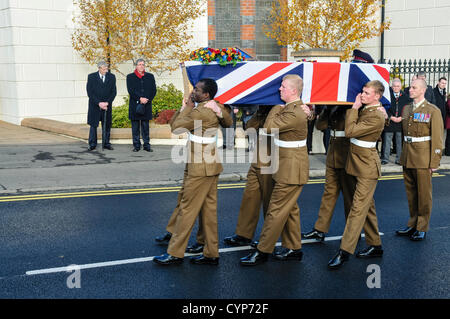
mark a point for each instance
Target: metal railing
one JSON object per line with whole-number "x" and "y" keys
{"x": 434, "y": 70}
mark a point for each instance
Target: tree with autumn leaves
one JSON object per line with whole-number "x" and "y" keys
{"x": 119, "y": 31}
{"x": 331, "y": 24}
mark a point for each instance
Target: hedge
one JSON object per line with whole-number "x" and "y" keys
{"x": 168, "y": 97}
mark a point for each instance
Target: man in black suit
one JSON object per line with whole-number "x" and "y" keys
{"x": 441, "y": 96}
{"x": 101, "y": 90}
{"x": 141, "y": 86}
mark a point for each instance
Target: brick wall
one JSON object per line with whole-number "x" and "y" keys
{"x": 248, "y": 36}
{"x": 222, "y": 33}
{"x": 211, "y": 14}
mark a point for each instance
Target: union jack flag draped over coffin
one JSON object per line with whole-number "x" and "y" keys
{"x": 257, "y": 82}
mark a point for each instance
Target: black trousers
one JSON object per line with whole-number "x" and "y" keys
{"x": 326, "y": 139}
{"x": 447, "y": 144}
{"x": 309, "y": 139}
{"x": 138, "y": 127}
{"x": 93, "y": 135}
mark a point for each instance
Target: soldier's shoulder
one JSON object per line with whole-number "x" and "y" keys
{"x": 295, "y": 105}
{"x": 206, "y": 111}
{"x": 431, "y": 106}
{"x": 276, "y": 108}
{"x": 201, "y": 107}
{"x": 410, "y": 103}
{"x": 407, "y": 106}
{"x": 378, "y": 113}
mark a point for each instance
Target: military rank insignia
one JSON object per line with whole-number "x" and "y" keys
{"x": 421, "y": 117}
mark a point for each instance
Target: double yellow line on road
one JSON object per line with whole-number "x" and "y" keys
{"x": 17, "y": 198}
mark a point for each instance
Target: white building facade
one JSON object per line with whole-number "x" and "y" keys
{"x": 42, "y": 76}
{"x": 40, "y": 73}
{"x": 419, "y": 30}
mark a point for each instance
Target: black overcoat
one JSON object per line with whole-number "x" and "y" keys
{"x": 441, "y": 100}
{"x": 97, "y": 92}
{"x": 137, "y": 88}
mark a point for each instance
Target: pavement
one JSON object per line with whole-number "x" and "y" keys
{"x": 45, "y": 155}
